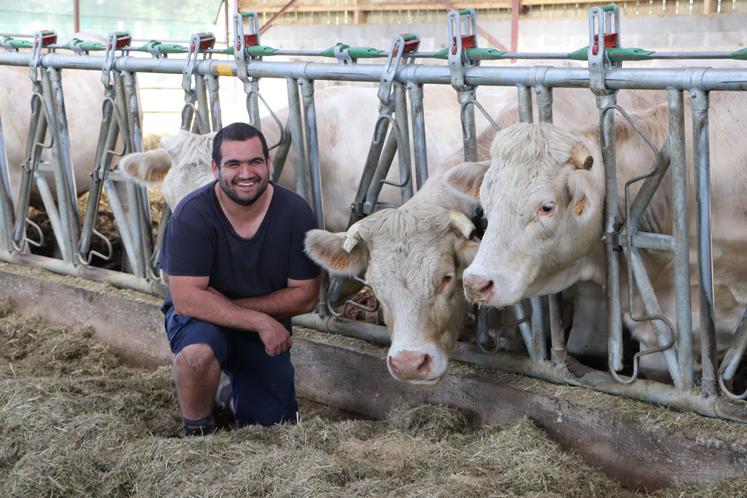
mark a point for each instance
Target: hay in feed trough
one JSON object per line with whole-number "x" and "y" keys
{"x": 75, "y": 422}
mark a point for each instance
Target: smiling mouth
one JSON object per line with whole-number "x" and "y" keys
{"x": 246, "y": 183}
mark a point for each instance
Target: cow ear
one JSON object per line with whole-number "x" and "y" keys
{"x": 465, "y": 251}
{"x": 584, "y": 203}
{"x": 146, "y": 167}
{"x": 464, "y": 181}
{"x": 328, "y": 251}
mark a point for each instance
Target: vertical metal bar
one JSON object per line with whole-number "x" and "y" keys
{"x": 295, "y": 127}
{"x": 203, "y": 108}
{"x": 251, "y": 88}
{"x": 557, "y": 336}
{"x": 135, "y": 224}
{"x": 699, "y": 105}
{"x": 544, "y": 103}
{"x": 403, "y": 142}
{"x": 120, "y": 218}
{"x": 214, "y": 98}
{"x": 612, "y": 253}
{"x": 312, "y": 145}
{"x": 652, "y": 308}
{"x": 382, "y": 171}
{"x": 369, "y": 169}
{"x": 52, "y": 213}
{"x": 469, "y": 128}
{"x": 6, "y": 202}
{"x": 35, "y": 140}
{"x": 524, "y": 96}
{"x": 418, "y": 133}
{"x": 524, "y": 327}
{"x": 61, "y": 161}
{"x": 539, "y": 348}
{"x": 121, "y": 109}
{"x": 678, "y": 169}
{"x": 134, "y": 129}
{"x": 107, "y": 140}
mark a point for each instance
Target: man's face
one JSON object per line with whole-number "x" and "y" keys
{"x": 243, "y": 173}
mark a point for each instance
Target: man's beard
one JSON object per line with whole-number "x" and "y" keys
{"x": 227, "y": 189}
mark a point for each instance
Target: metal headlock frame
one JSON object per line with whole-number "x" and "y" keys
{"x": 604, "y": 76}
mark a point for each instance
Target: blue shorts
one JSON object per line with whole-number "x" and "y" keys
{"x": 262, "y": 385}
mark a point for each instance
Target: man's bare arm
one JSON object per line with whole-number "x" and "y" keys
{"x": 299, "y": 297}
{"x": 192, "y": 297}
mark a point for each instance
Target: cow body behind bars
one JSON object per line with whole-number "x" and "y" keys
{"x": 543, "y": 197}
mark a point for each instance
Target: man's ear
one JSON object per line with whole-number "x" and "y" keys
{"x": 463, "y": 182}
{"x": 326, "y": 249}
{"x": 216, "y": 169}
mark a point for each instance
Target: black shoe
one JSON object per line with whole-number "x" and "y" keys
{"x": 202, "y": 427}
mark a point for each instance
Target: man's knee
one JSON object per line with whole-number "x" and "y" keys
{"x": 197, "y": 358}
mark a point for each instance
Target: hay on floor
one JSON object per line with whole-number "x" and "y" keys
{"x": 75, "y": 422}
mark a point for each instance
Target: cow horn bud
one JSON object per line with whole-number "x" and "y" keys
{"x": 581, "y": 157}
{"x": 459, "y": 222}
{"x": 352, "y": 237}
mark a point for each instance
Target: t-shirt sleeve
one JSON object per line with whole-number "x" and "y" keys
{"x": 300, "y": 267}
{"x": 187, "y": 246}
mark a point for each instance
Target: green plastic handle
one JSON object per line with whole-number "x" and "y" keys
{"x": 615, "y": 54}
{"x": 365, "y": 52}
{"x": 409, "y": 37}
{"x": 464, "y": 12}
{"x": 475, "y": 54}
{"x": 164, "y": 48}
{"x": 248, "y": 14}
{"x": 740, "y": 55}
{"x": 16, "y": 44}
{"x": 89, "y": 46}
{"x": 259, "y": 51}
{"x": 330, "y": 52}
{"x": 609, "y": 8}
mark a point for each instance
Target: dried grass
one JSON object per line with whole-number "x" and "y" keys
{"x": 75, "y": 422}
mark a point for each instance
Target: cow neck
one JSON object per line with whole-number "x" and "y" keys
{"x": 245, "y": 221}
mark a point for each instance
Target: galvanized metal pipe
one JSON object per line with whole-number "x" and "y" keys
{"x": 524, "y": 96}
{"x": 699, "y": 106}
{"x": 6, "y": 201}
{"x": 678, "y": 168}
{"x": 544, "y": 103}
{"x": 295, "y": 128}
{"x": 403, "y": 142}
{"x": 420, "y": 149}
{"x": 203, "y": 108}
{"x": 34, "y": 143}
{"x": 251, "y": 88}
{"x": 307, "y": 94}
{"x": 214, "y": 97}
{"x": 469, "y": 128}
{"x": 614, "y": 307}
{"x": 652, "y": 309}
{"x": 616, "y": 78}
{"x": 382, "y": 171}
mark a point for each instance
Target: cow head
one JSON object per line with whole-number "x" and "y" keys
{"x": 413, "y": 260}
{"x": 542, "y": 197}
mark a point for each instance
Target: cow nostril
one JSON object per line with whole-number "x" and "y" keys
{"x": 487, "y": 288}
{"x": 425, "y": 364}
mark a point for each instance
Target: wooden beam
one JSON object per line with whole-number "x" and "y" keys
{"x": 515, "y": 12}
{"x": 76, "y": 16}
{"x": 277, "y": 14}
{"x": 709, "y": 7}
{"x": 495, "y": 43}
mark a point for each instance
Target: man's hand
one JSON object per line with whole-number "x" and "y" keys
{"x": 274, "y": 336}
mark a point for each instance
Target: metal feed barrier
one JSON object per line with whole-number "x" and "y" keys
{"x": 404, "y": 73}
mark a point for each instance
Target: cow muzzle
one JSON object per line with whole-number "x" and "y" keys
{"x": 412, "y": 366}
{"x": 478, "y": 289}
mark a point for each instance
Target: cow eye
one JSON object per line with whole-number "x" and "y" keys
{"x": 546, "y": 209}
{"x": 447, "y": 278}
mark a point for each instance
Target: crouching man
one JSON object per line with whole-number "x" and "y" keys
{"x": 233, "y": 256}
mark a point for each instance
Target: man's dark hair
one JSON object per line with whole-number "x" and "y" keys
{"x": 237, "y": 132}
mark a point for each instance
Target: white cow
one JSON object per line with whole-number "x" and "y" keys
{"x": 83, "y": 93}
{"x": 543, "y": 197}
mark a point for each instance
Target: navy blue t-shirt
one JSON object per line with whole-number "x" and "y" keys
{"x": 200, "y": 241}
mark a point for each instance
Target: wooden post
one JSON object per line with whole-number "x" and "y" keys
{"x": 359, "y": 15}
{"x": 515, "y": 11}
{"x": 76, "y": 16}
{"x": 709, "y": 7}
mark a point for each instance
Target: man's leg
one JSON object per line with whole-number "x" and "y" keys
{"x": 196, "y": 374}
{"x": 200, "y": 349}
{"x": 263, "y": 385}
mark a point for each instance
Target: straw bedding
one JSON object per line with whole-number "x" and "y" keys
{"x": 75, "y": 422}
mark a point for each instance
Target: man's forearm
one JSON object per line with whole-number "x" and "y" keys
{"x": 219, "y": 310}
{"x": 282, "y": 303}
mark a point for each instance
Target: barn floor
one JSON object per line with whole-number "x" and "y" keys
{"x": 75, "y": 422}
